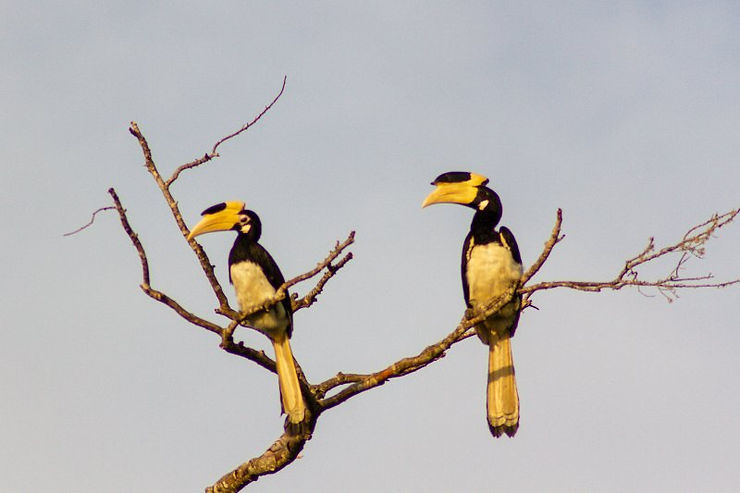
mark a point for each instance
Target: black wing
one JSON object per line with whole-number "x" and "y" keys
{"x": 272, "y": 272}
{"x": 508, "y": 240}
{"x": 464, "y": 268}
{"x": 256, "y": 253}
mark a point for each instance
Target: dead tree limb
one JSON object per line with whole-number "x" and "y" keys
{"x": 692, "y": 244}
{"x": 343, "y": 386}
{"x": 214, "y": 151}
{"x": 92, "y": 220}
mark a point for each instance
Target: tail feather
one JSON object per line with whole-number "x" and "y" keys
{"x": 290, "y": 390}
{"x": 502, "y": 400}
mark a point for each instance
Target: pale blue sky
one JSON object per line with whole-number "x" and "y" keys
{"x": 626, "y": 115}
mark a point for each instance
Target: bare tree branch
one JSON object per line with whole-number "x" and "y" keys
{"x": 361, "y": 383}
{"x": 239, "y": 349}
{"x": 92, "y": 220}
{"x": 287, "y": 447}
{"x": 310, "y": 298}
{"x": 214, "y": 151}
{"x": 226, "y": 333}
{"x": 691, "y": 244}
{"x": 555, "y": 237}
{"x": 280, "y": 454}
{"x": 133, "y": 236}
{"x": 343, "y": 386}
{"x": 331, "y": 269}
{"x": 205, "y": 262}
{"x": 164, "y": 187}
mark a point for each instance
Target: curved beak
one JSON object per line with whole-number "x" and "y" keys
{"x": 220, "y": 217}
{"x": 451, "y": 193}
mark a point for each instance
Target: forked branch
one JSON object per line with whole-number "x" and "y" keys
{"x": 692, "y": 244}
{"x": 226, "y": 333}
{"x": 214, "y": 151}
{"x": 343, "y": 386}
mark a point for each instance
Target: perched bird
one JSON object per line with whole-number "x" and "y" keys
{"x": 256, "y": 277}
{"x": 491, "y": 264}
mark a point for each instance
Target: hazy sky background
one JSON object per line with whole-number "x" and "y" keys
{"x": 625, "y": 114}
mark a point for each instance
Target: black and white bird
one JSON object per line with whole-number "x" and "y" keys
{"x": 491, "y": 265}
{"x": 256, "y": 277}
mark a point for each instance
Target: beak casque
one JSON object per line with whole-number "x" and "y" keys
{"x": 220, "y": 217}
{"x": 455, "y": 192}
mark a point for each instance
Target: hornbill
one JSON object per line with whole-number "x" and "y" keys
{"x": 491, "y": 265}
{"x": 256, "y": 277}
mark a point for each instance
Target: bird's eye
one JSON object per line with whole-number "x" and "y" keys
{"x": 243, "y": 219}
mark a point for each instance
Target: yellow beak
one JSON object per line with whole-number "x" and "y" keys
{"x": 451, "y": 193}
{"x": 455, "y": 192}
{"x": 220, "y": 217}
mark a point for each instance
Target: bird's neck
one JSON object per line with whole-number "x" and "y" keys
{"x": 483, "y": 227}
{"x": 242, "y": 248}
{"x": 252, "y": 236}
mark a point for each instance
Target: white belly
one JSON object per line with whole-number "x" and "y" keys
{"x": 495, "y": 271}
{"x": 253, "y": 289}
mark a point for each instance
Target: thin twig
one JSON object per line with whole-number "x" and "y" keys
{"x": 214, "y": 151}
{"x": 692, "y": 243}
{"x": 310, "y": 298}
{"x": 555, "y": 237}
{"x": 92, "y": 220}
{"x": 258, "y": 357}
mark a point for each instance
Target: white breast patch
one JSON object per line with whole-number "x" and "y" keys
{"x": 491, "y": 271}
{"x": 253, "y": 289}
